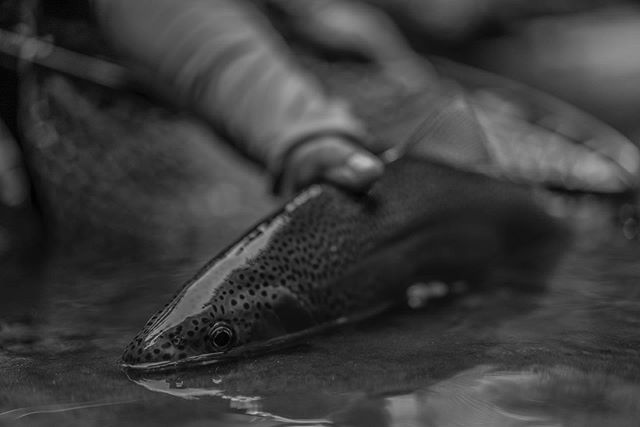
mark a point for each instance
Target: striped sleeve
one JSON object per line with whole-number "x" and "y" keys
{"x": 224, "y": 60}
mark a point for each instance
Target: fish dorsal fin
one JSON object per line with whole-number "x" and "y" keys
{"x": 449, "y": 132}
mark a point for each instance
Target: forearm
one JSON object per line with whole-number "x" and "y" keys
{"x": 222, "y": 59}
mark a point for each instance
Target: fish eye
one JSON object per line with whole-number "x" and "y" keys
{"x": 221, "y": 336}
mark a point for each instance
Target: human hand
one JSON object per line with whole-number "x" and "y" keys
{"x": 332, "y": 159}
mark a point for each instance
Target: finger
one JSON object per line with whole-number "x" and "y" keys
{"x": 332, "y": 159}
{"x": 357, "y": 173}
{"x": 14, "y": 189}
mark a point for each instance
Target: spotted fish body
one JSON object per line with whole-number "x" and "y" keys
{"x": 329, "y": 256}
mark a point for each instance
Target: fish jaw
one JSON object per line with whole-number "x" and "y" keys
{"x": 155, "y": 344}
{"x": 248, "y": 288}
{"x": 277, "y": 342}
{"x": 184, "y": 332}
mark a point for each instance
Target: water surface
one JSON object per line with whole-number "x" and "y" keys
{"x": 563, "y": 353}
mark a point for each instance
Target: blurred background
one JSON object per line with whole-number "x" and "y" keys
{"x": 66, "y": 319}
{"x": 583, "y": 51}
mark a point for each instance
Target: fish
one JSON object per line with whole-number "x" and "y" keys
{"x": 108, "y": 176}
{"x": 330, "y": 257}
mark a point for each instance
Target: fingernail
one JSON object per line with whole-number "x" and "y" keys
{"x": 358, "y": 172}
{"x": 364, "y": 163}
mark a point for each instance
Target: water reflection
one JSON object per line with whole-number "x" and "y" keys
{"x": 565, "y": 356}
{"x": 249, "y": 405}
{"x": 558, "y": 396}
{"x": 480, "y": 396}
{"x": 410, "y": 367}
{"x": 21, "y": 413}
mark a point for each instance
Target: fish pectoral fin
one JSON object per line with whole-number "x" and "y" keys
{"x": 287, "y": 314}
{"x": 291, "y": 312}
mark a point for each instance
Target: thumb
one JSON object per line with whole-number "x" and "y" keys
{"x": 331, "y": 159}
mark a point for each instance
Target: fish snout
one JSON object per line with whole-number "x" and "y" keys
{"x": 161, "y": 349}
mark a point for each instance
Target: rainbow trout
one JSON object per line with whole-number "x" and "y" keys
{"x": 329, "y": 257}
{"x": 113, "y": 168}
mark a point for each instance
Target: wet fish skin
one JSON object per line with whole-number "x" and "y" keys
{"x": 329, "y": 256}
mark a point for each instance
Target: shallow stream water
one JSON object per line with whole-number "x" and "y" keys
{"x": 562, "y": 354}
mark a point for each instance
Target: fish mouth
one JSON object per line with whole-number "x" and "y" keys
{"x": 166, "y": 365}
{"x": 240, "y": 352}
{"x": 247, "y": 350}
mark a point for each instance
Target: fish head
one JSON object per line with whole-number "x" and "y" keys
{"x": 250, "y": 298}
{"x": 239, "y": 319}
{"x": 244, "y": 300}
{"x": 171, "y": 336}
